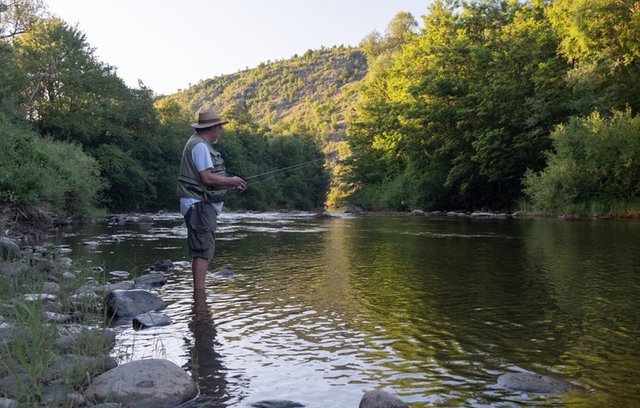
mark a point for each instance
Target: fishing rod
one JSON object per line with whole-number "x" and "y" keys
{"x": 295, "y": 166}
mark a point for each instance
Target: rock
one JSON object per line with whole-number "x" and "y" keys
{"x": 143, "y": 383}
{"x": 34, "y": 297}
{"x": 146, "y": 219}
{"x": 48, "y": 266}
{"x": 417, "y": 212}
{"x": 8, "y": 403}
{"x": 61, "y": 395}
{"x": 51, "y": 288}
{"x": 162, "y": 266}
{"x": 150, "y": 280}
{"x": 151, "y": 319}
{"x": 381, "y": 399}
{"x": 96, "y": 269}
{"x": 9, "y": 250}
{"x": 69, "y": 276}
{"x": 12, "y": 386}
{"x": 60, "y": 317}
{"x": 276, "y": 404}
{"x": 123, "y": 285}
{"x": 71, "y": 367}
{"x": 132, "y": 302}
{"x": 120, "y": 274}
{"x": 224, "y": 274}
{"x": 13, "y": 269}
{"x": 482, "y": 214}
{"x": 531, "y": 382}
{"x": 84, "y": 340}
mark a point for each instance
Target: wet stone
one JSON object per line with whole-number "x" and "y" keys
{"x": 531, "y": 382}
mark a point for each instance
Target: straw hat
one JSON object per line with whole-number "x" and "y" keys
{"x": 208, "y": 118}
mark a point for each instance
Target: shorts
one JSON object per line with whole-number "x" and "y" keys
{"x": 201, "y": 219}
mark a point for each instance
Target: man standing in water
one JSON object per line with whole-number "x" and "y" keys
{"x": 202, "y": 186}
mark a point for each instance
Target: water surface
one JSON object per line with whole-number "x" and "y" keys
{"x": 432, "y": 310}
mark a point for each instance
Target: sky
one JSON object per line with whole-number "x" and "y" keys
{"x": 170, "y": 45}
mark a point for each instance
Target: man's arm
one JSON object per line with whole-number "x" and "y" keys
{"x": 210, "y": 179}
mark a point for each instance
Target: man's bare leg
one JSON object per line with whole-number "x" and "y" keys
{"x": 199, "y": 267}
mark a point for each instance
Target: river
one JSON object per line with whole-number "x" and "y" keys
{"x": 431, "y": 309}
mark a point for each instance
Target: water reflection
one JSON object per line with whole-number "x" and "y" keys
{"x": 204, "y": 361}
{"x": 433, "y": 310}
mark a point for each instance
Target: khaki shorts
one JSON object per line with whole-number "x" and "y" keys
{"x": 201, "y": 224}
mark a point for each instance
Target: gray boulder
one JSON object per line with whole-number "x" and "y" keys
{"x": 381, "y": 399}
{"x": 531, "y": 382}
{"x": 9, "y": 250}
{"x": 132, "y": 302}
{"x": 151, "y": 319}
{"x": 143, "y": 383}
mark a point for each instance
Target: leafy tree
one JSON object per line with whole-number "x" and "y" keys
{"x": 600, "y": 39}
{"x": 19, "y": 16}
{"x": 464, "y": 110}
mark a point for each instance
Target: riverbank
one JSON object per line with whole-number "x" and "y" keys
{"x": 30, "y": 223}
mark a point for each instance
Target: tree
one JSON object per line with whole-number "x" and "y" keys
{"x": 600, "y": 39}
{"x": 19, "y": 16}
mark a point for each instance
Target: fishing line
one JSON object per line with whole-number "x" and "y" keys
{"x": 295, "y": 166}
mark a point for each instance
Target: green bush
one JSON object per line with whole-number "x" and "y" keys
{"x": 595, "y": 166}
{"x": 38, "y": 171}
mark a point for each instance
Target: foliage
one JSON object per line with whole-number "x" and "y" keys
{"x": 596, "y": 162}
{"x": 600, "y": 40}
{"x": 248, "y": 154}
{"x": 44, "y": 172}
{"x": 463, "y": 107}
{"x": 308, "y": 95}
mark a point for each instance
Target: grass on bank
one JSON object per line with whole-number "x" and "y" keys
{"x": 27, "y": 345}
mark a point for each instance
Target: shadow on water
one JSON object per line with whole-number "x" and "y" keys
{"x": 205, "y": 363}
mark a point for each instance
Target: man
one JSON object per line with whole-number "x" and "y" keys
{"x": 202, "y": 186}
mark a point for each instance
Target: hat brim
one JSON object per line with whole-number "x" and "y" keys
{"x": 208, "y": 125}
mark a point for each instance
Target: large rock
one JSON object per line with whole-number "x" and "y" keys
{"x": 132, "y": 302}
{"x": 143, "y": 383}
{"x": 381, "y": 399}
{"x": 531, "y": 382}
{"x": 9, "y": 250}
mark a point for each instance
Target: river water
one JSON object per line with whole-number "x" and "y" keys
{"x": 430, "y": 309}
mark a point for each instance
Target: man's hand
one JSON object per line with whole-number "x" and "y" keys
{"x": 238, "y": 184}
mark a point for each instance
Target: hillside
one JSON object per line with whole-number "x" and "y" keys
{"x": 311, "y": 94}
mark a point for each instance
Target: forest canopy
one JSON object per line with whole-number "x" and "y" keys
{"x": 483, "y": 104}
{"x": 463, "y": 110}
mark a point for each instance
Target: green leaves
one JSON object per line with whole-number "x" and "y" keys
{"x": 596, "y": 160}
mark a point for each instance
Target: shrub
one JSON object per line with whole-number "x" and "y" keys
{"x": 37, "y": 171}
{"x": 596, "y": 164}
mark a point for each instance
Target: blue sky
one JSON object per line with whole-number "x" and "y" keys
{"x": 172, "y": 44}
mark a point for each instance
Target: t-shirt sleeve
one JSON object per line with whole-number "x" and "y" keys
{"x": 201, "y": 157}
